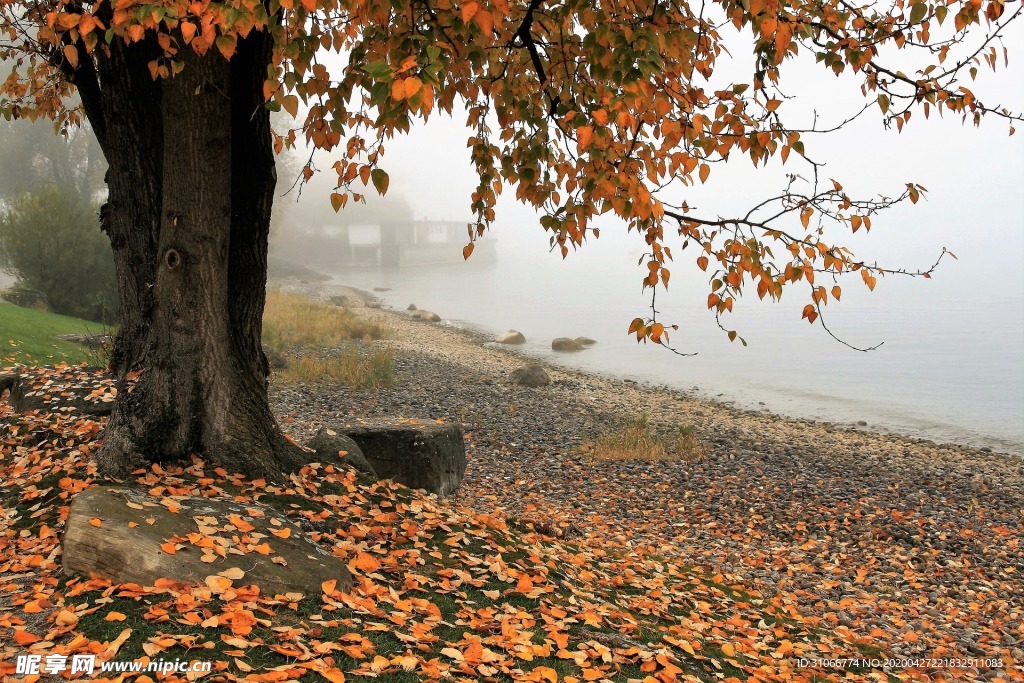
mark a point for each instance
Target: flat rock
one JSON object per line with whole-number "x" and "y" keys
{"x": 99, "y": 541}
{"x": 23, "y": 397}
{"x": 585, "y": 341}
{"x": 511, "y": 337}
{"x": 421, "y": 455}
{"x": 566, "y": 344}
{"x": 338, "y": 449}
{"x": 532, "y": 375}
{"x": 342, "y": 300}
{"x": 428, "y": 316}
{"x": 91, "y": 341}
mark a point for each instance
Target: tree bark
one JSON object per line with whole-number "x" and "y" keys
{"x": 191, "y": 180}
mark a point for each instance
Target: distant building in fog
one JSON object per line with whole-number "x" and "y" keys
{"x": 406, "y": 243}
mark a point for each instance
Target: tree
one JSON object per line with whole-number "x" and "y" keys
{"x": 35, "y": 158}
{"x": 55, "y": 247}
{"x": 584, "y": 108}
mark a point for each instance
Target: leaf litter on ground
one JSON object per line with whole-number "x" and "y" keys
{"x": 442, "y": 591}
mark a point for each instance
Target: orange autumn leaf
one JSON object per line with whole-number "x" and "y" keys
{"x": 23, "y": 637}
{"x": 364, "y": 562}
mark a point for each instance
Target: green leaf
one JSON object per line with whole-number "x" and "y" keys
{"x": 380, "y": 180}
{"x": 918, "y": 12}
{"x": 378, "y": 69}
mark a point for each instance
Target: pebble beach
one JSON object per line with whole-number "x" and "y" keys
{"x": 902, "y": 540}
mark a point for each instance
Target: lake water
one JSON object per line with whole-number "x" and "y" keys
{"x": 951, "y": 368}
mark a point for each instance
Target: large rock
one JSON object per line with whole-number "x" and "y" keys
{"x": 90, "y": 341}
{"x": 332, "y": 447}
{"x": 566, "y": 344}
{"x": 532, "y": 375}
{"x": 25, "y": 298}
{"x": 100, "y": 540}
{"x": 23, "y": 396}
{"x": 585, "y": 341}
{"x": 342, "y": 300}
{"x": 420, "y": 454}
{"x": 427, "y": 316}
{"x": 511, "y": 337}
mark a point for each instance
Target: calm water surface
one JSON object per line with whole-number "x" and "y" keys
{"x": 951, "y": 368}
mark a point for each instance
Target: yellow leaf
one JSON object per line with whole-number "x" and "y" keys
{"x": 584, "y": 136}
{"x": 333, "y": 675}
{"x": 412, "y": 86}
{"x": 290, "y": 104}
{"x": 234, "y": 573}
{"x": 66, "y": 618}
{"x": 728, "y": 650}
{"x": 71, "y": 54}
{"x": 114, "y": 616}
{"x": 218, "y": 584}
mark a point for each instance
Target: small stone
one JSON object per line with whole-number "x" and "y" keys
{"x": 532, "y": 375}
{"x": 382, "y": 289}
{"x": 511, "y": 337}
{"x": 564, "y": 344}
{"x": 412, "y": 307}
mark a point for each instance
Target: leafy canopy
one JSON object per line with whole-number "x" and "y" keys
{"x": 583, "y": 108}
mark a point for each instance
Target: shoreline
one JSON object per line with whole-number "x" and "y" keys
{"x": 484, "y": 340}
{"x": 869, "y": 530}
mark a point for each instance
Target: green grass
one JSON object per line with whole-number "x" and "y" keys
{"x": 29, "y": 336}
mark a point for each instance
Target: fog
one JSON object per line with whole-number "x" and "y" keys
{"x": 951, "y": 357}
{"x": 950, "y": 367}
{"x": 974, "y": 207}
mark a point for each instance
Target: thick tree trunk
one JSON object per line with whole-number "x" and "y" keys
{"x": 191, "y": 185}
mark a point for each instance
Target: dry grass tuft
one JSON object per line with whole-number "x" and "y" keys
{"x": 637, "y": 441}
{"x": 369, "y": 369}
{"x": 324, "y": 343}
{"x": 291, "y": 320}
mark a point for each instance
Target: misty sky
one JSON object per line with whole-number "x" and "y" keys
{"x": 975, "y": 178}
